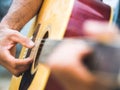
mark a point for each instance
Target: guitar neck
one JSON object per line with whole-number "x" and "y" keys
{"x": 103, "y": 62}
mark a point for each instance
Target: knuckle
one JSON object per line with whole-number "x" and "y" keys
{"x": 14, "y": 66}
{"x": 14, "y": 34}
{"x": 25, "y": 40}
{"x": 16, "y": 73}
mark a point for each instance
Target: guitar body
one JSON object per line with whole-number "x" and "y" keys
{"x": 57, "y": 19}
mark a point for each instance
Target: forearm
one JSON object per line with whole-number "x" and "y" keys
{"x": 20, "y": 12}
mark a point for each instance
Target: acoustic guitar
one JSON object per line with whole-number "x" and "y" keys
{"x": 57, "y": 19}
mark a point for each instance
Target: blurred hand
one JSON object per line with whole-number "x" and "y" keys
{"x": 66, "y": 61}
{"x": 8, "y": 40}
{"x": 67, "y": 65}
{"x": 101, "y": 31}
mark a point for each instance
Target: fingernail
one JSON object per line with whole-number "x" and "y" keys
{"x": 31, "y": 43}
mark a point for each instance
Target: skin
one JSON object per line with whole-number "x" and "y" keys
{"x": 20, "y": 12}
{"x": 66, "y": 61}
{"x": 70, "y": 74}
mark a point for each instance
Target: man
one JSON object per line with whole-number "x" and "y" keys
{"x": 4, "y": 6}
{"x": 9, "y": 36}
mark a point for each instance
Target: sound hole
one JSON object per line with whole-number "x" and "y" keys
{"x": 27, "y": 76}
{"x": 40, "y": 49}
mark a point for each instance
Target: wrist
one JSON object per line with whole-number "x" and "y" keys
{"x": 10, "y": 24}
{"x": 4, "y": 25}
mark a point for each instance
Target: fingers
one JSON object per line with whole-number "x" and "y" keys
{"x": 67, "y": 66}
{"x": 15, "y": 66}
{"x": 8, "y": 40}
{"x": 17, "y": 37}
{"x": 20, "y": 66}
{"x": 100, "y": 31}
{"x": 10, "y": 37}
{"x": 66, "y": 62}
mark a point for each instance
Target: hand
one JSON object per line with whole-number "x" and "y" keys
{"x": 66, "y": 65}
{"x": 66, "y": 62}
{"x": 101, "y": 31}
{"x": 8, "y": 40}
